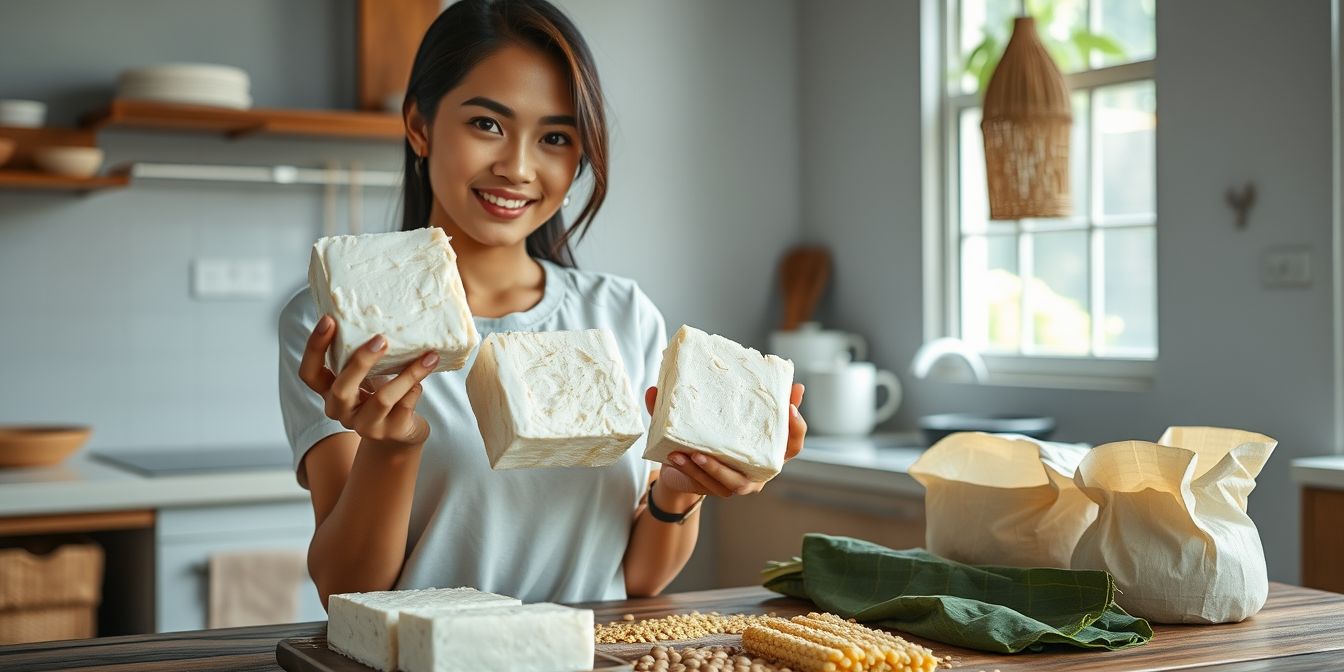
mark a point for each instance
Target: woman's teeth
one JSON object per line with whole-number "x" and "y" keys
{"x": 502, "y": 202}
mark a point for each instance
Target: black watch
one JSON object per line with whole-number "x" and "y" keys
{"x": 664, "y": 516}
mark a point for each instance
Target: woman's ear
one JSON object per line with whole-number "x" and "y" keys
{"x": 417, "y": 129}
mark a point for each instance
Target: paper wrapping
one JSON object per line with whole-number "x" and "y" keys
{"x": 1002, "y": 499}
{"x": 1172, "y": 527}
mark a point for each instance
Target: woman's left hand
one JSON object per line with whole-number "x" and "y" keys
{"x": 697, "y": 473}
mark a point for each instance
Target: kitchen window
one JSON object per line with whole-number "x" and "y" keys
{"x": 1067, "y": 301}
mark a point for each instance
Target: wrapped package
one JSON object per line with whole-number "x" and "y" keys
{"x": 403, "y": 285}
{"x": 1172, "y": 525}
{"x": 1002, "y": 499}
{"x": 722, "y": 399}
{"x": 553, "y": 399}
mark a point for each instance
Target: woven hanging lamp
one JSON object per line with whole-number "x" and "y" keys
{"x": 1026, "y": 122}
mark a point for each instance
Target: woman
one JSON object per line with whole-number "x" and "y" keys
{"x": 503, "y": 112}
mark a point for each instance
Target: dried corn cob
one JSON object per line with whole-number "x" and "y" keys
{"x": 900, "y": 655}
{"x": 797, "y": 652}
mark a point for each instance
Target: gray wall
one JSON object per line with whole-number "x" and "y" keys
{"x": 99, "y": 326}
{"x": 1243, "y": 93}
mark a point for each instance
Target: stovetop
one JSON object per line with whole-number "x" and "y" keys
{"x": 200, "y": 459}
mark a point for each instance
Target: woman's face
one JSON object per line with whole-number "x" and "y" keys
{"x": 503, "y": 148}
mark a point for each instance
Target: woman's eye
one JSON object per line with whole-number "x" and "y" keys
{"x": 556, "y": 139}
{"x": 486, "y": 124}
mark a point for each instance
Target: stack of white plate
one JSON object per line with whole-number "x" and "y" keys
{"x": 25, "y": 113}
{"x": 188, "y": 83}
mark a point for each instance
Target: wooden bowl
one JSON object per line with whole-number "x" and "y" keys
{"x": 6, "y": 150}
{"x": 37, "y": 445}
{"x": 69, "y": 161}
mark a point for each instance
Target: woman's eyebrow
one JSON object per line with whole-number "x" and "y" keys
{"x": 507, "y": 112}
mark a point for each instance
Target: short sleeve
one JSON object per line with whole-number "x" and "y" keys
{"x": 306, "y": 421}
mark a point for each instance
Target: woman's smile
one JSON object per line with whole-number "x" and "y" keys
{"x": 502, "y": 204}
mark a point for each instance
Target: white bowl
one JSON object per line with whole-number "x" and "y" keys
{"x": 23, "y": 113}
{"x": 69, "y": 161}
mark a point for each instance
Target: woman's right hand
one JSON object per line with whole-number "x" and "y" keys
{"x": 386, "y": 415}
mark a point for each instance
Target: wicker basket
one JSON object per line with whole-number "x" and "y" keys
{"x": 1026, "y": 123}
{"x": 50, "y": 591}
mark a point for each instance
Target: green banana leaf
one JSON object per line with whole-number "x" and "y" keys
{"x": 996, "y": 609}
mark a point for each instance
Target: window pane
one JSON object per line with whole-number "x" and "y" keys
{"x": 1126, "y": 118}
{"x": 1056, "y": 293}
{"x": 986, "y": 23}
{"x": 1131, "y": 25}
{"x": 991, "y": 293}
{"x": 974, "y": 192}
{"x": 1129, "y": 287}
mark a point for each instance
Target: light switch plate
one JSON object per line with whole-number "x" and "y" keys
{"x": 232, "y": 278}
{"x": 1286, "y": 267}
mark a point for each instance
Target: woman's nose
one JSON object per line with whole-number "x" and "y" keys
{"x": 516, "y": 163}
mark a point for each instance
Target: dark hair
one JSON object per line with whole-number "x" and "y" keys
{"x": 464, "y": 35}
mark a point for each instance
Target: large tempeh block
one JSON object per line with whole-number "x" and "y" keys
{"x": 364, "y": 626}
{"x": 403, "y": 285}
{"x": 540, "y": 637}
{"x": 553, "y": 399}
{"x": 722, "y": 399}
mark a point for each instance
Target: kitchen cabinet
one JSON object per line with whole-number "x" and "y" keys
{"x": 770, "y": 525}
{"x": 187, "y": 537}
{"x": 1322, "y": 541}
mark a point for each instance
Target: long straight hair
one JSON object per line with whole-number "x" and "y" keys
{"x": 467, "y": 33}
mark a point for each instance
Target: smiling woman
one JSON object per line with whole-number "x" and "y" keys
{"x": 513, "y": 158}
{"x": 503, "y": 112}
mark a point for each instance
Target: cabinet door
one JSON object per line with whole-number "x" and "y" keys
{"x": 189, "y": 536}
{"x": 770, "y": 525}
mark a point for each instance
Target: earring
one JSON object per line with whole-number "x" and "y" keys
{"x": 565, "y": 203}
{"x": 420, "y": 166}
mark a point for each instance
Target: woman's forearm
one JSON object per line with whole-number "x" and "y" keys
{"x": 658, "y": 551}
{"x": 361, "y": 545}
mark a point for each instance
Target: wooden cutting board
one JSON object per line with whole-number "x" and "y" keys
{"x": 310, "y": 654}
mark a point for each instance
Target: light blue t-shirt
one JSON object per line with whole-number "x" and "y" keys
{"x": 536, "y": 534}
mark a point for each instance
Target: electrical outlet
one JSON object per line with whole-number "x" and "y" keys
{"x": 231, "y": 278}
{"x": 1286, "y": 267}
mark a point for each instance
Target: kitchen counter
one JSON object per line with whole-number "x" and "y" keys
{"x": 1298, "y": 630}
{"x": 1325, "y": 472}
{"x": 879, "y": 463}
{"x": 84, "y": 483}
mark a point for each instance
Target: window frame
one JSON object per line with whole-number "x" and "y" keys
{"x": 941, "y": 112}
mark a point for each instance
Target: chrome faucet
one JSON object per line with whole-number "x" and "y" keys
{"x": 938, "y": 348}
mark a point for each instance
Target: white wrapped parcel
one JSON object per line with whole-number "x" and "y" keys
{"x": 364, "y": 626}
{"x": 553, "y": 399}
{"x": 722, "y": 399}
{"x": 1003, "y": 499}
{"x": 1172, "y": 525}
{"x": 403, "y": 285}
{"x": 540, "y": 637}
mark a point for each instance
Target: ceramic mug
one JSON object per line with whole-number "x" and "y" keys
{"x": 810, "y": 346}
{"x": 841, "y": 399}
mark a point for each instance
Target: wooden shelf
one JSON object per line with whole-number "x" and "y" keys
{"x": 237, "y": 123}
{"x": 35, "y": 179}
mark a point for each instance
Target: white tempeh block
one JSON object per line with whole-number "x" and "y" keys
{"x": 364, "y": 626}
{"x": 403, "y": 285}
{"x": 722, "y": 399}
{"x": 540, "y": 637}
{"x": 553, "y": 399}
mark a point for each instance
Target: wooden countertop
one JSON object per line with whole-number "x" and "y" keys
{"x": 1298, "y": 630}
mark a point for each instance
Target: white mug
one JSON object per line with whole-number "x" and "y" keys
{"x": 810, "y": 346}
{"x": 841, "y": 399}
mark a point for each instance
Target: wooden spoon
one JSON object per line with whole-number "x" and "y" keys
{"x": 803, "y": 273}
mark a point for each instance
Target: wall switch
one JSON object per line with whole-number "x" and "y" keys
{"x": 231, "y": 278}
{"x": 1286, "y": 267}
